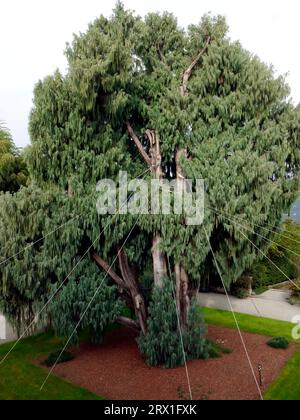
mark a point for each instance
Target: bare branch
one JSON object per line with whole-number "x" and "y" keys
{"x": 187, "y": 74}
{"x": 138, "y": 144}
{"x": 103, "y": 264}
{"x": 130, "y": 323}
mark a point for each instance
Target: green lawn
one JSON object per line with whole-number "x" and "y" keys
{"x": 249, "y": 323}
{"x": 287, "y": 385}
{"x": 21, "y": 380}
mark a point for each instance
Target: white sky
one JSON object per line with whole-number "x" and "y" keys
{"x": 33, "y": 34}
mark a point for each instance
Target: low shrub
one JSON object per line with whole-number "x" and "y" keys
{"x": 216, "y": 350}
{"x": 242, "y": 288}
{"x": 58, "y": 357}
{"x": 278, "y": 343}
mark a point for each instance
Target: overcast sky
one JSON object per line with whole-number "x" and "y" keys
{"x": 33, "y": 34}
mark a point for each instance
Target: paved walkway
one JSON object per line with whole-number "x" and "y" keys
{"x": 6, "y": 332}
{"x": 2, "y": 328}
{"x": 271, "y": 304}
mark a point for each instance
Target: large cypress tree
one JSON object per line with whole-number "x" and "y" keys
{"x": 145, "y": 94}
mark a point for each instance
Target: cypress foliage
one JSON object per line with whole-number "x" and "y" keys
{"x": 284, "y": 252}
{"x": 163, "y": 343}
{"x": 13, "y": 172}
{"x": 74, "y": 302}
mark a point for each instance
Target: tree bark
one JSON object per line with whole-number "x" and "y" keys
{"x": 70, "y": 190}
{"x": 133, "y": 288}
{"x": 117, "y": 279}
{"x": 158, "y": 257}
{"x": 182, "y": 285}
{"x": 129, "y": 323}
{"x": 188, "y": 72}
{"x": 159, "y": 261}
{"x": 138, "y": 144}
{"x": 183, "y": 300}
{"x": 128, "y": 287}
{"x": 122, "y": 287}
{"x": 154, "y": 161}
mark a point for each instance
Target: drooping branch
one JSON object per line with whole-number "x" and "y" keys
{"x": 138, "y": 144}
{"x": 188, "y": 72}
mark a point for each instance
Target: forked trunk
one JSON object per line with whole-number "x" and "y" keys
{"x": 134, "y": 290}
{"x": 154, "y": 162}
{"x": 129, "y": 290}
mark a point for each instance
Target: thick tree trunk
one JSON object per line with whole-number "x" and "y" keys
{"x": 70, "y": 190}
{"x": 132, "y": 284}
{"x": 182, "y": 296}
{"x": 159, "y": 262}
{"x": 128, "y": 288}
{"x": 154, "y": 161}
{"x": 158, "y": 257}
{"x": 182, "y": 284}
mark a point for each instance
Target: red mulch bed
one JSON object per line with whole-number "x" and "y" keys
{"x": 117, "y": 371}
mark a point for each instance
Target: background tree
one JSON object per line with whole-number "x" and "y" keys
{"x": 284, "y": 252}
{"x": 13, "y": 173}
{"x": 146, "y": 95}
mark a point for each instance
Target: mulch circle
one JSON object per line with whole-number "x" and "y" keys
{"x": 117, "y": 371}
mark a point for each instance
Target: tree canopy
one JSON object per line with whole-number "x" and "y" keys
{"x": 139, "y": 91}
{"x": 13, "y": 173}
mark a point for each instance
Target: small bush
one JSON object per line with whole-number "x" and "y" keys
{"x": 278, "y": 343}
{"x": 240, "y": 293}
{"x": 295, "y": 294}
{"x": 242, "y": 288}
{"x": 57, "y": 357}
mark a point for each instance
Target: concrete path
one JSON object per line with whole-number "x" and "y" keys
{"x": 271, "y": 304}
{"x": 6, "y": 332}
{"x": 2, "y": 328}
